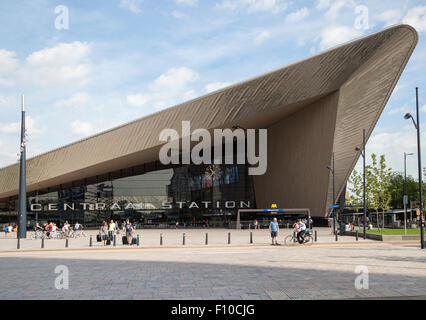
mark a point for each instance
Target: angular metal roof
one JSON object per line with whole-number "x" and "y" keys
{"x": 363, "y": 72}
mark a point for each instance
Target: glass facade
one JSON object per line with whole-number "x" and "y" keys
{"x": 151, "y": 195}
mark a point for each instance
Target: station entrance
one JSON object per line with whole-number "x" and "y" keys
{"x": 245, "y": 217}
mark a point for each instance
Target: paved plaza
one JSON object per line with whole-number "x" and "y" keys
{"x": 241, "y": 271}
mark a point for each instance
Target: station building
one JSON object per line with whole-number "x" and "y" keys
{"x": 311, "y": 109}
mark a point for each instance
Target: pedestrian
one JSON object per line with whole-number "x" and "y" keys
{"x": 128, "y": 228}
{"x": 111, "y": 230}
{"x": 255, "y": 223}
{"x": 273, "y": 229}
{"x": 311, "y": 223}
{"x": 104, "y": 232}
{"x": 6, "y": 230}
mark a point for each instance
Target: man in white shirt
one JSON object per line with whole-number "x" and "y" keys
{"x": 301, "y": 231}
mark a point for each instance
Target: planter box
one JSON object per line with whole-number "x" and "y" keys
{"x": 385, "y": 238}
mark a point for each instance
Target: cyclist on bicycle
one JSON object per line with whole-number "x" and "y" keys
{"x": 301, "y": 230}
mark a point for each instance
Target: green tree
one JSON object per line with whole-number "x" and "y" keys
{"x": 380, "y": 179}
{"x": 396, "y": 189}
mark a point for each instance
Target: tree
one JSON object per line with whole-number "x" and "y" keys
{"x": 380, "y": 185}
{"x": 396, "y": 189}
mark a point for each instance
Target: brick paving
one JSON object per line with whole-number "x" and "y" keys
{"x": 257, "y": 272}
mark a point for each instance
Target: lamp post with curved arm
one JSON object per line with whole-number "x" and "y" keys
{"x": 419, "y": 160}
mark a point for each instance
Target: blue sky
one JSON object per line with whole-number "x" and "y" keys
{"x": 124, "y": 59}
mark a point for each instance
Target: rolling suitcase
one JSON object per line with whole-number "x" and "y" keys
{"x": 98, "y": 238}
{"x": 108, "y": 242}
{"x": 124, "y": 239}
{"x": 133, "y": 241}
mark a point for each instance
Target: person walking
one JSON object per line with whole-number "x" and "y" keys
{"x": 104, "y": 232}
{"x": 311, "y": 223}
{"x": 111, "y": 230}
{"x": 128, "y": 228}
{"x": 273, "y": 230}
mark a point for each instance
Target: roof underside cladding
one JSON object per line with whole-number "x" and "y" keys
{"x": 304, "y": 80}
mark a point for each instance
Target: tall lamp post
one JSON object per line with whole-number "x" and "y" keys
{"x": 358, "y": 149}
{"x": 419, "y": 159}
{"x": 405, "y": 190}
{"x": 22, "y": 201}
{"x": 331, "y": 168}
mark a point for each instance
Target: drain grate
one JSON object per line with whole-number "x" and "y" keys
{"x": 295, "y": 293}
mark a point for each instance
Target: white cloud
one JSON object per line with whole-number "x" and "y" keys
{"x": 8, "y": 102}
{"x": 81, "y": 128}
{"x": 178, "y": 14}
{"x": 187, "y": 2}
{"x": 8, "y": 64}
{"x": 168, "y": 89}
{"x": 8, "y": 61}
{"x": 76, "y": 100}
{"x": 66, "y": 63}
{"x": 132, "y": 5}
{"x": 323, "y": 4}
{"x": 390, "y": 17}
{"x": 335, "y": 35}
{"x": 416, "y": 17}
{"x": 334, "y": 11}
{"x": 12, "y": 127}
{"x": 297, "y": 15}
{"x": 274, "y": 6}
{"x": 262, "y": 37}
{"x": 399, "y": 110}
{"x": 216, "y": 86}
{"x": 137, "y": 100}
{"x": 15, "y": 127}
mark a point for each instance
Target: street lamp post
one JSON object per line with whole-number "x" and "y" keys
{"x": 22, "y": 201}
{"x": 364, "y": 194}
{"x": 419, "y": 160}
{"x": 331, "y": 168}
{"x": 405, "y": 190}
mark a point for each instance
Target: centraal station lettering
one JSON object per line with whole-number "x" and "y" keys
{"x": 115, "y": 206}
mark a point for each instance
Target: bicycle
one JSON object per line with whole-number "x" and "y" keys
{"x": 291, "y": 240}
{"x": 38, "y": 234}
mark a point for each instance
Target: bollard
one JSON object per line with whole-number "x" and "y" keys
{"x": 251, "y": 237}
{"x": 183, "y": 240}
{"x": 229, "y": 237}
{"x": 66, "y": 243}
{"x": 137, "y": 241}
{"x": 42, "y": 242}
{"x": 115, "y": 240}
{"x": 316, "y": 236}
{"x": 337, "y": 237}
{"x": 19, "y": 243}
{"x": 90, "y": 242}
{"x": 161, "y": 239}
{"x": 207, "y": 238}
{"x": 357, "y": 235}
{"x": 294, "y": 237}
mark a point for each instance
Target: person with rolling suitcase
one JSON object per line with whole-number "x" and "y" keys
{"x": 128, "y": 229}
{"x": 104, "y": 232}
